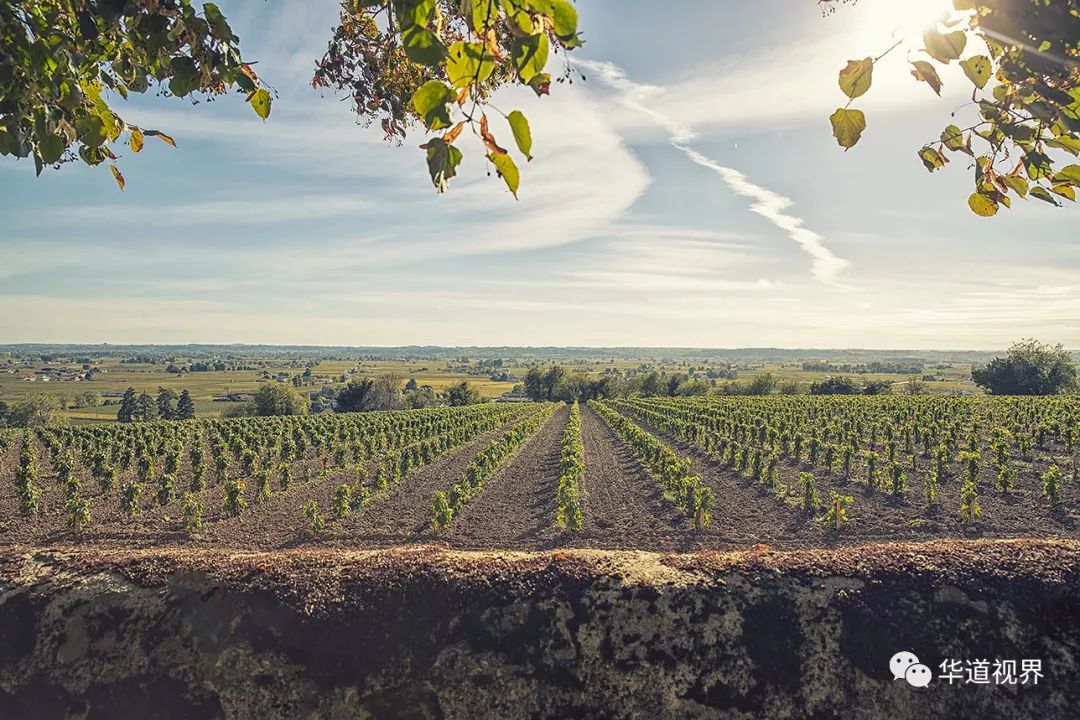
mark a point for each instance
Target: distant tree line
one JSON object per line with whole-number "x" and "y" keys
{"x": 168, "y": 405}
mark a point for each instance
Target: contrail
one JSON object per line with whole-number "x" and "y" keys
{"x": 824, "y": 265}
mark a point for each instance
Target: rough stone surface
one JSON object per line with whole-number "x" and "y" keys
{"x": 430, "y": 633}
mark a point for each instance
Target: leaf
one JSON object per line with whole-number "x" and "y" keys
{"x": 977, "y": 68}
{"x": 423, "y": 46}
{"x": 953, "y": 138}
{"x": 117, "y": 176}
{"x": 1041, "y": 193}
{"x": 454, "y": 132}
{"x": 848, "y": 126}
{"x": 944, "y": 47}
{"x": 541, "y": 84}
{"x": 136, "y": 140}
{"x": 489, "y": 139}
{"x": 564, "y": 18}
{"x": 982, "y": 205}
{"x": 530, "y": 56}
{"x": 1036, "y": 165}
{"x": 260, "y": 101}
{"x": 412, "y": 13}
{"x": 217, "y": 22}
{"x": 468, "y": 63}
{"x": 927, "y": 73}
{"x": 508, "y": 170}
{"x": 443, "y": 160}
{"x": 1069, "y": 172}
{"x": 483, "y": 14}
{"x": 50, "y": 148}
{"x": 519, "y": 125}
{"x": 1016, "y": 183}
{"x": 855, "y": 79}
{"x": 1068, "y": 144}
{"x": 1064, "y": 191}
{"x": 158, "y": 134}
{"x": 932, "y": 159}
{"x": 432, "y": 101}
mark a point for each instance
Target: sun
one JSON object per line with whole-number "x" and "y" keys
{"x": 901, "y": 19}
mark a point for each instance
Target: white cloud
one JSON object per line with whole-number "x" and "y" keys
{"x": 825, "y": 265}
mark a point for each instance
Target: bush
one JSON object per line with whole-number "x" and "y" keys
{"x": 316, "y": 523}
{"x": 1051, "y": 482}
{"x": 341, "y": 505}
{"x": 192, "y": 512}
{"x": 970, "y": 510}
{"x": 78, "y": 512}
{"x": 837, "y": 510}
{"x": 235, "y": 502}
{"x": 810, "y": 495}
{"x": 441, "y": 511}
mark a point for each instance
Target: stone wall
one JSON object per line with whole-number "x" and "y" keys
{"x": 428, "y": 633}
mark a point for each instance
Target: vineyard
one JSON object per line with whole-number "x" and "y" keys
{"x": 648, "y": 473}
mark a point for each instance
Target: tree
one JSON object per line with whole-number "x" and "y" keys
{"x": 276, "y": 398}
{"x": 535, "y": 388}
{"x": 145, "y": 408}
{"x": 462, "y": 394}
{"x": 1029, "y": 368}
{"x": 127, "y": 410}
{"x": 358, "y": 395}
{"x": 387, "y": 392}
{"x": 166, "y": 400}
{"x": 1029, "y": 114}
{"x": 185, "y": 406}
{"x": 63, "y": 63}
{"x": 421, "y": 397}
{"x": 838, "y": 385}
{"x": 36, "y": 411}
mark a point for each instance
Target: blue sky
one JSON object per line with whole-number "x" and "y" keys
{"x": 689, "y": 193}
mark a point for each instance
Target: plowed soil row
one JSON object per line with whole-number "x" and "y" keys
{"x": 749, "y": 512}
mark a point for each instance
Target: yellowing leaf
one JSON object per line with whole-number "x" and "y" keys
{"x": 469, "y": 63}
{"x": 856, "y": 77}
{"x": 944, "y": 47}
{"x": 1070, "y": 173}
{"x": 982, "y": 205}
{"x": 977, "y": 68}
{"x": 260, "y": 102}
{"x": 927, "y": 73}
{"x": 117, "y": 176}
{"x": 848, "y": 126}
{"x": 508, "y": 170}
{"x": 932, "y": 158}
{"x": 136, "y": 141}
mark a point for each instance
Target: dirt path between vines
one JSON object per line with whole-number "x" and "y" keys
{"x": 517, "y": 507}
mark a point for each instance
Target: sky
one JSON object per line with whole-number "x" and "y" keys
{"x": 687, "y": 192}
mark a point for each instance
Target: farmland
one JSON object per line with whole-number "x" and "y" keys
{"x": 646, "y": 473}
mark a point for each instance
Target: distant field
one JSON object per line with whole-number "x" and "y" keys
{"x": 206, "y": 386}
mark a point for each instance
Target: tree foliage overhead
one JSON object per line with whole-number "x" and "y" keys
{"x": 1027, "y": 92}
{"x": 62, "y": 61}
{"x": 436, "y": 63}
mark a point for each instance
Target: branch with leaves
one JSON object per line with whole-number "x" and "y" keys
{"x": 59, "y": 60}
{"x": 1027, "y": 92}
{"x": 437, "y": 62}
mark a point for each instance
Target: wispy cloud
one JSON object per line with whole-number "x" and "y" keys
{"x": 826, "y": 267}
